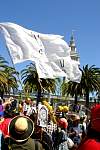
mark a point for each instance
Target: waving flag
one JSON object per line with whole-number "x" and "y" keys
{"x": 58, "y": 52}
{"x": 21, "y": 44}
{"x": 50, "y": 53}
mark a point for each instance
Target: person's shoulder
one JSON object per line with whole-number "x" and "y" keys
{"x": 45, "y": 133}
{"x": 46, "y": 136}
{"x": 91, "y": 144}
{"x": 35, "y": 143}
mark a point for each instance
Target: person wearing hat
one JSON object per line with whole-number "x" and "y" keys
{"x": 92, "y": 140}
{"x": 60, "y": 135}
{"x": 75, "y": 131}
{"x": 20, "y": 131}
{"x": 26, "y": 106}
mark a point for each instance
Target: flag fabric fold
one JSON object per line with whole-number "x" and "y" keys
{"x": 50, "y": 53}
{"x": 22, "y": 45}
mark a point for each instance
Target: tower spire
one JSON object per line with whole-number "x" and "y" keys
{"x": 74, "y": 55}
{"x": 72, "y": 42}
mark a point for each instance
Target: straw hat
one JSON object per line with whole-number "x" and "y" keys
{"x": 21, "y": 128}
{"x": 75, "y": 117}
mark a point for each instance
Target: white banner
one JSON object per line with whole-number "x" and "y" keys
{"x": 50, "y": 53}
{"x": 42, "y": 118}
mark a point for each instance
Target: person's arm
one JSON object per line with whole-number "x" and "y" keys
{"x": 72, "y": 133}
{"x": 8, "y": 102}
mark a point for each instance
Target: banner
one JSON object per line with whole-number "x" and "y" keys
{"x": 42, "y": 118}
{"x": 50, "y": 53}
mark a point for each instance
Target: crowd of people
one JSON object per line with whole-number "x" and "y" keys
{"x": 19, "y": 128}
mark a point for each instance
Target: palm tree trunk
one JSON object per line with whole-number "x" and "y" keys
{"x": 87, "y": 101}
{"x": 75, "y": 98}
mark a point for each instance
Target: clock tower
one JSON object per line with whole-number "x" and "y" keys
{"x": 74, "y": 55}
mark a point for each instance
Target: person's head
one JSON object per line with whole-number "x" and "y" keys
{"x": 28, "y": 100}
{"x": 14, "y": 103}
{"x": 21, "y": 128}
{"x": 38, "y": 129}
{"x": 62, "y": 123}
{"x": 83, "y": 119}
{"x": 95, "y": 118}
{"x": 75, "y": 119}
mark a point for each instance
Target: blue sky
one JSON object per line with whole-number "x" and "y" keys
{"x": 58, "y": 17}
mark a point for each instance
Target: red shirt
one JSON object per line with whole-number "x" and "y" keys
{"x": 4, "y": 126}
{"x": 90, "y": 144}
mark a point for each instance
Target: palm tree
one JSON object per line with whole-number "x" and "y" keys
{"x": 90, "y": 81}
{"x": 8, "y": 78}
{"x": 72, "y": 88}
{"x": 3, "y": 65}
{"x": 32, "y": 82}
{"x": 3, "y": 79}
{"x": 98, "y": 96}
{"x": 30, "y": 78}
{"x": 12, "y": 81}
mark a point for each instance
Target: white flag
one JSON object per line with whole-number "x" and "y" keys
{"x": 21, "y": 44}
{"x": 58, "y": 52}
{"x": 50, "y": 52}
{"x": 49, "y": 70}
{"x": 76, "y": 72}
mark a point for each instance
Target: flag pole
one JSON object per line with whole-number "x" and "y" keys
{"x": 39, "y": 91}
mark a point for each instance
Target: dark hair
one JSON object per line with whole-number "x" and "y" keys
{"x": 33, "y": 117}
{"x": 0, "y": 102}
